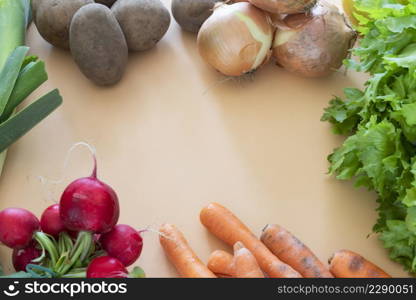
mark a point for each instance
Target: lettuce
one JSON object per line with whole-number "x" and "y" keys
{"x": 380, "y": 121}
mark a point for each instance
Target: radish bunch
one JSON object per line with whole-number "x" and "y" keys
{"x": 78, "y": 237}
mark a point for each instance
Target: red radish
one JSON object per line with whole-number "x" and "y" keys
{"x": 124, "y": 243}
{"x": 88, "y": 204}
{"x": 51, "y": 222}
{"x": 106, "y": 267}
{"x": 17, "y": 226}
{"x": 22, "y": 257}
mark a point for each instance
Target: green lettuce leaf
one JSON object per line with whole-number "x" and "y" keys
{"x": 380, "y": 121}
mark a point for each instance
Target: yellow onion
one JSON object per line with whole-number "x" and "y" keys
{"x": 236, "y": 39}
{"x": 284, "y": 6}
{"x": 276, "y": 19}
{"x": 313, "y": 44}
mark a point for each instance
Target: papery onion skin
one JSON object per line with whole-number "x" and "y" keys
{"x": 236, "y": 39}
{"x": 284, "y": 6}
{"x": 314, "y": 44}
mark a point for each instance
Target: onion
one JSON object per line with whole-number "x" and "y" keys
{"x": 313, "y": 44}
{"x": 284, "y": 6}
{"x": 236, "y": 39}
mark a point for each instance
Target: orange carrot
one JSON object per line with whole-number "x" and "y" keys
{"x": 223, "y": 224}
{"x": 293, "y": 252}
{"x": 181, "y": 255}
{"x": 220, "y": 263}
{"x": 348, "y": 264}
{"x": 244, "y": 263}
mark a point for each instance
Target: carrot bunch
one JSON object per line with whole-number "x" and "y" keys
{"x": 277, "y": 253}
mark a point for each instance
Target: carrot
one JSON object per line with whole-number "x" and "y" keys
{"x": 348, "y": 264}
{"x": 292, "y": 251}
{"x": 227, "y": 227}
{"x": 244, "y": 263}
{"x": 220, "y": 263}
{"x": 181, "y": 255}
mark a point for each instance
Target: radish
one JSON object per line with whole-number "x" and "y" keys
{"x": 89, "y": 207}
{"x": 22, "y": 257}
{"x": 17, "y": 227}
{"x": 124, "y": 243}
{"x": 88, "y": 204}
{"x": 106, "y": 267}
{"x": 51, "y": 222}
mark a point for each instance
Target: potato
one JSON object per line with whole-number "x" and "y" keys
{"x": 35, "y": 4}
{"x": 191, "y": 14}
{"x": 98, "y": 45}
{"x": 109, "y": 3}
{"x": 144, "y": 22}
{"x": 53, "y": 18}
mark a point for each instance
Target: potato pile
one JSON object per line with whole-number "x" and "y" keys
{"x": 100, "y": 33}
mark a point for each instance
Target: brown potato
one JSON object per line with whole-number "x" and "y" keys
{"x": 98, "y": 45}
{"x": 144, "y": 22}
{"x": 191, "y": 14}
{"x": 53, "y": 18}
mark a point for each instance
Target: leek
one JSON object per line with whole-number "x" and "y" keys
{"x": 27, "y": 118}
{"x": 19, "y": 77}
{"x": 14, "y": 18}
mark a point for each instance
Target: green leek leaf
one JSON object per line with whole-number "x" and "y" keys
{"x": 14, "y": 15}
{"x": 10, "y": 73}
{"x": 3, "y": 156}
{"x": 23, "y": 121}
{"x": 29, "y": 59}
{"x": 30, "y": 78}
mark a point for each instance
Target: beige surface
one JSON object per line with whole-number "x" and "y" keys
{"x": 173, "y": 136}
